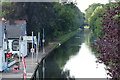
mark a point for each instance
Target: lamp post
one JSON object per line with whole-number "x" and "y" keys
{"x": 43, "y": 41}
{"x": 4, "y": 21}
{"x": 5, "y": 44}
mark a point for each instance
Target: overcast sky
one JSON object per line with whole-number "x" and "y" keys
{"x": 83, "y": 4}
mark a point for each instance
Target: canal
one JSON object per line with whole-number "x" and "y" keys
{"x": 73, "y": 59}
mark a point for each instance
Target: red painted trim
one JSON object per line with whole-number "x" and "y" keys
{"x": 16, "y": 21}
{"x": 4, "y": 21}
{"x": 20, "y": 21}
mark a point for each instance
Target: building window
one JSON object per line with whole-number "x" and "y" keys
{"x": 15, "y": 45}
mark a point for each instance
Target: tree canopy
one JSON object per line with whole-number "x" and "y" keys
{"x": 104, "y": 24}
{"x": 57, "y": 19}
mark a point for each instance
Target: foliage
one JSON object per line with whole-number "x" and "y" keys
{"x": 108, "y": 45}
{"x": 94, "y": 17}
{"x": 69, "y": 17}
{"x": 95, "y": 21}
{"x": 67, "y": 36}
{"x": 55, "y": 18}
{"x": 91, "y": 9}
{"x": 104, "y": 24}
{"x": 4, "y": 10}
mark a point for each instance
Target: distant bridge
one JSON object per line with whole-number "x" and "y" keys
{"x": 83, "y": 26}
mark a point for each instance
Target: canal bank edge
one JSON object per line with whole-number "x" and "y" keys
{"x": 64, "y": 38}
{"x": 60, "y": 40}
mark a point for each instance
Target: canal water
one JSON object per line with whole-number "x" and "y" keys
{"x": 73, "y": 59}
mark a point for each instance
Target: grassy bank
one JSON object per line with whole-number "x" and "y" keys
{"x": 52, "y": 45}
{"x": 67, "y": 36}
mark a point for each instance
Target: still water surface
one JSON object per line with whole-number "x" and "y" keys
{"x": 85, "y": 65}
{"x": 73, "y": 59}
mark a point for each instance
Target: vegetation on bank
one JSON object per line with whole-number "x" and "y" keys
{"x": 108, "y": 45}
{"x": 67, "y": 36}
{"x": 94, "y": 17}
{"x": 55, "y": 18}
{"x": 104, "y": 23}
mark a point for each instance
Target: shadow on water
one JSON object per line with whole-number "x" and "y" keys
{"x": 56, "y": 61}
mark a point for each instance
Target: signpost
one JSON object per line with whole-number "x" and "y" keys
{"x": 43, "y": 40}
{"x": 37, "y": 47}
{"x": 32, "y": 50}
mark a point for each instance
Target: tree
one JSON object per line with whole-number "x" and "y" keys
{"x": 95, "y": 21}
{"x": 91, "y": 9}
{"x": 55, "y": 18}
{"x": 108, "y": 45}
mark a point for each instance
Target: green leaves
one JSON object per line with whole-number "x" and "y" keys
{"x": 55, "y": 18}
{"x": 89, "y": 11}
{"x": 4, "y": 6}
{"x": 95, "y": 18}
{"x": 108, "y": 44}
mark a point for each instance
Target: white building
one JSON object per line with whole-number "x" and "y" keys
{"x": 14, "y": 32}
{"x": 13, "y": 40}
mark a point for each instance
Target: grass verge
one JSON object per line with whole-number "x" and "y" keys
{"x": 67, "y": 36}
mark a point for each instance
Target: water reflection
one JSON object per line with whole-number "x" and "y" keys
{"x": 55, "y": 62}
{"x": 83, "y": 65}
{"x": 73, "y": 59}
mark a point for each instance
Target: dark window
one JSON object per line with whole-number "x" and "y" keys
{"x": 15, "y": 45}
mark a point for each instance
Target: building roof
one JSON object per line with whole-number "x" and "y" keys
{"x": 15, "y": 30}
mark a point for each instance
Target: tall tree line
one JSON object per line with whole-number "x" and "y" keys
{"x": 94, "y": 16}
{"x": 55, "y": 18}
{"x": 105, "y": 25}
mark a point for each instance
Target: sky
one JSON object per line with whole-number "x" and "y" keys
{"x": 83, "y": 4}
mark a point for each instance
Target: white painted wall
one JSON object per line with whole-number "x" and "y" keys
{"x": 2, "y": 59}
{"x": 22, "y": 48}
{"x": 1, "y": 63}
{"x": 10, "y": 47}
